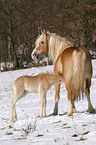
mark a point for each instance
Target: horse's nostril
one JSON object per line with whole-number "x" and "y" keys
{"x": 37, "y": 56}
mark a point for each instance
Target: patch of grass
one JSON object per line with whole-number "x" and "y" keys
{"x": 39, "y": 135}
{"x": 81, "y": 139}
{"x": 16, "y": 129}
{"x": 3, "y": 128}
{"x": 10, "y": 126}
{"x": 74, "y": 135}
{"x": 20, "y": 138}
{"x": 84, "y": 125}
{"x": 57, "y": 122}
{"x": 9, "y": 133}
{"x": 29, "y": 128}
{"x": 66, "y": 127}
{"x": 86, "y": 133}
{"x": 65, "y": 124}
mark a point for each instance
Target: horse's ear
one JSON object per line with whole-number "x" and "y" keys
{"x": 44, "y": 30}
{"x": 41, "y": 31}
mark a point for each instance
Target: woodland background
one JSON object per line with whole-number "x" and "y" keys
{"x": 22, "y": 20}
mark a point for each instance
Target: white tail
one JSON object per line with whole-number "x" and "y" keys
{"x": 78, "y": 74}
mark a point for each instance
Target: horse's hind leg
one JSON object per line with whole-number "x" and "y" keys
{"x": 13, "y": 115}
{"x": 70, "y": 108}
{"x": 57, "y": 97}
{"x": 74, "y": 109}
{"x": 87, "y": 92}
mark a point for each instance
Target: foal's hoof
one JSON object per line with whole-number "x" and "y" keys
{"x": 11, "y": 121}
{"x": 69, "y": 114}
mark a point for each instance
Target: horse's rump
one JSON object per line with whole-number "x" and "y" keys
{"x": 73, "y": 67}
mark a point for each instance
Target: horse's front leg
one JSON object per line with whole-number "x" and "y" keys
{"x": 57, "y": 97}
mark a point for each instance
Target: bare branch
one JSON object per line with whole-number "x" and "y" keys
{"x": 5, "y": 12}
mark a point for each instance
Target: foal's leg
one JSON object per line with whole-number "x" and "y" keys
{"x": 57, "y": 97}
{"x": 13, "y": 116}
{"x": 87, "y": 92}
{"x": 44, "y": 108}
{"x": 41, "y": 95}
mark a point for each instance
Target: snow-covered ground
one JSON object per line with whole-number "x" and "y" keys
{"x": 29, "y": 129}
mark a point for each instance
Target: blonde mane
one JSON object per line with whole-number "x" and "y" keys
{"x": 56, "y": 44}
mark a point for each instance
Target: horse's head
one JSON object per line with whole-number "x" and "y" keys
{"x": 41, "y": 48}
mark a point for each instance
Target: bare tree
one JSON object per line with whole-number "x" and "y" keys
{"x": 16, "y": 16}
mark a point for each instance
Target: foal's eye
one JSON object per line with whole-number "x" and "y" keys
{"x": 42, "y": 42}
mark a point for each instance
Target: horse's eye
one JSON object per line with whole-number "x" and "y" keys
{"x": 42, "y": 42}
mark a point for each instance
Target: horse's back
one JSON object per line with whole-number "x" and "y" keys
{"x": 68, "y": 57}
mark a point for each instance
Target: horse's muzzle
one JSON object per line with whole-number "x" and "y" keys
{"x": 35, "y": 55}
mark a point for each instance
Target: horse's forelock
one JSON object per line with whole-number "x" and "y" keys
{"x": 39, "y": 39}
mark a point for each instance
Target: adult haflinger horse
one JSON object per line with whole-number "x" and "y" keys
{"x": 73, "y": 62}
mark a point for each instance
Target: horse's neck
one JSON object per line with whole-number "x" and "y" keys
{"x": 56, "y": 45}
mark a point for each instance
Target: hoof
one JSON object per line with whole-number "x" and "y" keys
{"x": 54, "y": 113}
{"x": 74, "y": 110}
{"x": 91, "y": 110}
{"x": 69, "y": 114}
{"x": 11, "y": 121}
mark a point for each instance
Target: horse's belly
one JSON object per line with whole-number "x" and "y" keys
{"x": 31, "y": 89}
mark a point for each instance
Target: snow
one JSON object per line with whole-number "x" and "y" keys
{"x": 29, "y": 129}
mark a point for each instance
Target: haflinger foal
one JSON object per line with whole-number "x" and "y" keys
{"x": 33, "y": 84}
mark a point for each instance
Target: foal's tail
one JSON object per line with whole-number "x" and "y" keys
{"x": 78, "y": 74}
